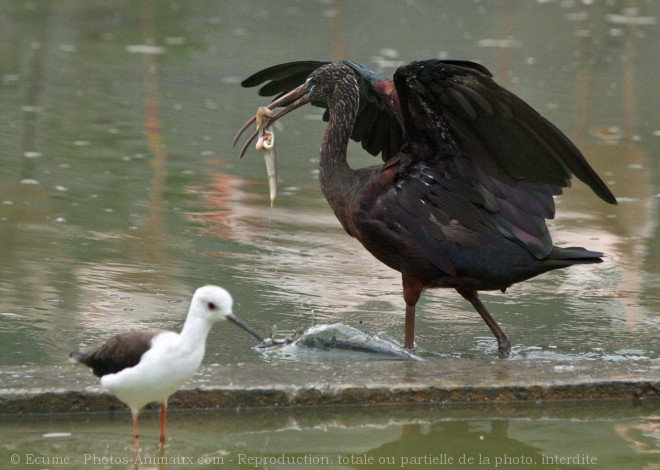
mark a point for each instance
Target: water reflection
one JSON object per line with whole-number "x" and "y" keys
{"x": 620, "y": 437}
{"x": 120, "y": 192}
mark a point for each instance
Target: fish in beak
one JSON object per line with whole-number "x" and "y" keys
{"x": 293, "y": 100}
{"x": 266, "y": 144}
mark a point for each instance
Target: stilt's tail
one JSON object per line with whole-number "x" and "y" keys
{"x": 76, "y": 356}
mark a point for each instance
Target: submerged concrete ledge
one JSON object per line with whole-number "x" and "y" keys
{"x": 73, "y": 389}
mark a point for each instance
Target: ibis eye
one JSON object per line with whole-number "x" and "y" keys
{"x": 211, "y": 306}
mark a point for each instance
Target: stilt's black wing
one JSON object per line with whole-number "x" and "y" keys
{"x": 120, "y": 352}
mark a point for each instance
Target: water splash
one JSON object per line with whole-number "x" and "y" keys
{"x": 335, "y": 342}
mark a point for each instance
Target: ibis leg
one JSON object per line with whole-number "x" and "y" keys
{"x": 409, "y": 335}
{"x": 163, "y": 422}
{"x": 503, "y": 341}
{"x": 412, "y": 289}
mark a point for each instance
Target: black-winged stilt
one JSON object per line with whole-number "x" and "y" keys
{"x": 142, "y": 367}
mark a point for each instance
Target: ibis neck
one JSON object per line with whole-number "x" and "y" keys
{"x": 335, "y": 176}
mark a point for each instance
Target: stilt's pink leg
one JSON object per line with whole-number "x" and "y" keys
{"x": 136, "y": 431}
{"x": 163, "y": 422}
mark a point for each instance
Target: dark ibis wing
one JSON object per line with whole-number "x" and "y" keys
{"x": 481, "y": 116}
{"x": 122, "y": 351}
{"x": 427, "y": 209}
{"x": 478, "y": 157}
{"x": 440, "y": 206}
{"x": 282, "y": 78}
{"x": 378, "y": 125}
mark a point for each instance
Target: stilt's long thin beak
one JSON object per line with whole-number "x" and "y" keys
{"x": 238, "y": 322}
{"x": 292, "y": 100}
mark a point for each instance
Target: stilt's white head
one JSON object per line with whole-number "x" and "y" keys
{"x": 214, "y": 303}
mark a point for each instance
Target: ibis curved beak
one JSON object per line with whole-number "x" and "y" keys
{"x": 292, "y": 100}
{"x": 236, "y": 321}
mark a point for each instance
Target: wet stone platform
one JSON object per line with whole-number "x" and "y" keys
{"x": 73, "y": 389}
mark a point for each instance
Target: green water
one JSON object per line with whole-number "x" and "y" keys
{"x": 120, "y": 194}
{"x": 570, "y": 436}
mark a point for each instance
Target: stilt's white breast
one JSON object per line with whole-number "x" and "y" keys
{"x": 167, "y": 365}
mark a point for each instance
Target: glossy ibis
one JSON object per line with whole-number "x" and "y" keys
{"x": 141, "y": 367}
{"x": 468, "y": 178}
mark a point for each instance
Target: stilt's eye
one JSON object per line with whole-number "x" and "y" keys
{"x": 211, "y": 306}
